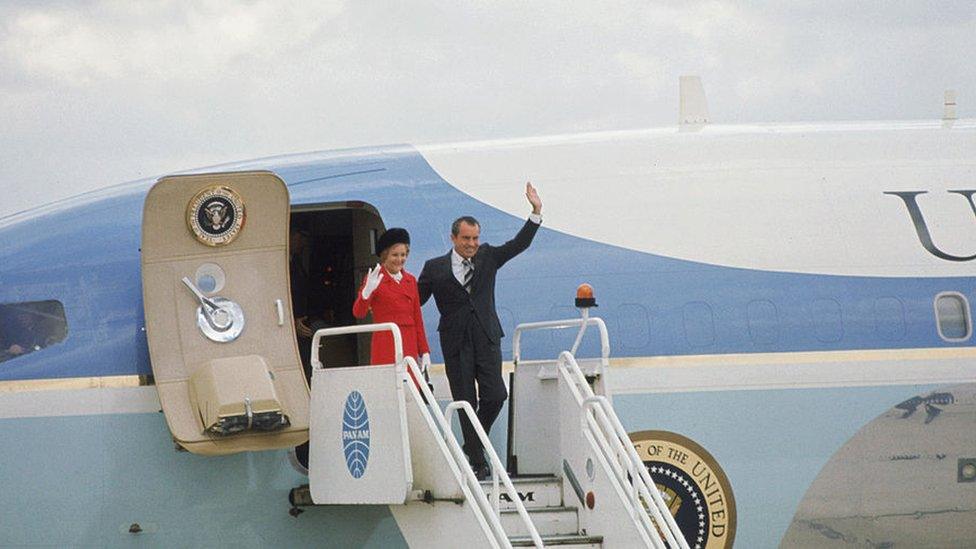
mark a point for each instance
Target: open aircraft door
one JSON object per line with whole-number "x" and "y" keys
{"x": 218, "y": 312}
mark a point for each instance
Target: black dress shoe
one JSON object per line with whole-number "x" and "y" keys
{"x": 481, "y": 471}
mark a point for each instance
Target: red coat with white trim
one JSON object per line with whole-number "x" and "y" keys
{"x": 397, "y": 302}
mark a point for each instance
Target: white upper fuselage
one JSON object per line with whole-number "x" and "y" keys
{"x": 805, "y": 198}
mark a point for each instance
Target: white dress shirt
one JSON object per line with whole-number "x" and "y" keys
{"x": 457, "y": 262}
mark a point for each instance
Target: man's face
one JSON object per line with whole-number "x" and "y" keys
{"x": 466, "y": 241}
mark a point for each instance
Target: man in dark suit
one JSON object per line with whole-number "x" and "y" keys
{"x": 463, "y": 285}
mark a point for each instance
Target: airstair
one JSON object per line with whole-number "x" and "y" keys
{"x": 558, "y": 524}
{"x": 376, "y": 437}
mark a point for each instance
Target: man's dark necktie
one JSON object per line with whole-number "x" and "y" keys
{"x": 468, "y": 274}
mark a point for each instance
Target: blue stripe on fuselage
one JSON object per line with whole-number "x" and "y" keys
{"x": 85, "y": 254}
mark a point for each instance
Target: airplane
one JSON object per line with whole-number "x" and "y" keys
{"x": 788, "y": 309}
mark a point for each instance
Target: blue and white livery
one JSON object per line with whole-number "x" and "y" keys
{"x": 791, "y": 302}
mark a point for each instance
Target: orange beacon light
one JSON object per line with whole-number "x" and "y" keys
{"x": 584, "y": 296}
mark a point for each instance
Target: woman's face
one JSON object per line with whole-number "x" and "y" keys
{"x": 395, "y": 257}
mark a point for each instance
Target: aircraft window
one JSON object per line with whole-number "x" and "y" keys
{"x": 828, "y": 321}
{"x": 699, "y": 323}
{"x": 763, "y": 322}
{"x": 889, "y": 318}
{"x": 635, "y": 326}
{"x": 952, "y": 313}
{"x": 30, "y": 326}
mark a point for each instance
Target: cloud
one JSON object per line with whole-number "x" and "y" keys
{"x": 99, "y": 92}
{"x": 112, "y": 41}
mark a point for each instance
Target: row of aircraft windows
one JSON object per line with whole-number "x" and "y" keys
{"x": 952, "y": 313}
{"x": 633, "y": 327}
{"x": 31, "y": 326}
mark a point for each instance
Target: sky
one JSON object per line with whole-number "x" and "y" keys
{"x": 96, "y": 93}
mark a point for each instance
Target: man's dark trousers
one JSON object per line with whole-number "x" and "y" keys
{"x": 475, "y": 357}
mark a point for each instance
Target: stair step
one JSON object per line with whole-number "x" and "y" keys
{"x": 536, "y": 492}
{"x": 549, "y": 521}
{"x": 529, "y": 479}
{"x": 568, "y": 542}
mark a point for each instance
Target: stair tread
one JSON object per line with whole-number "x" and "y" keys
{"x": 553, "y": 509}
{"x": 561, "y": 539}
{"x": 526, "y": 480}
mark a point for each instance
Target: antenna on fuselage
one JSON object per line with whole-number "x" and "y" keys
{"x": 949, "y": 108}
{"x": 693, "y": 109}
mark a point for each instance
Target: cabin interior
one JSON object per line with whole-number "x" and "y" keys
{"x": 340, "y": 248}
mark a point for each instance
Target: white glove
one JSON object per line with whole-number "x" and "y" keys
{"x": 373, "y": 278}
{"x": 425, "y": 366}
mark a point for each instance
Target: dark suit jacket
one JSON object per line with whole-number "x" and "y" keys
{"x": 455, "y": 305}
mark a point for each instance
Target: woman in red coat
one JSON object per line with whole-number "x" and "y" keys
{"x": 391, "y": 293}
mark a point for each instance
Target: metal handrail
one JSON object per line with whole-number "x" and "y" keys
{"x": 358, "y": 329}
{"x": 622, "y": 470}
{"x": 466, "y": 475}
{"x": 622, "y": 473}
{"x": 612, "y": 437}
{"x": 498, "y": 471}
{"x": 581, "y": 323}
{"x": 625, "y": 472}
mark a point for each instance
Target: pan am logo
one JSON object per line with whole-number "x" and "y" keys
{"x": 355, "y": 434}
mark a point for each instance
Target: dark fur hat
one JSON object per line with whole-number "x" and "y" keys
{"x": 392, "y": 236}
